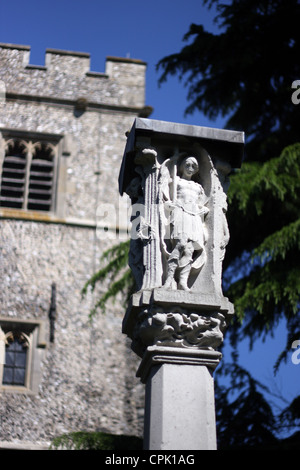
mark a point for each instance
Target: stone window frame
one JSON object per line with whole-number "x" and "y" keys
{"x": 33, "y": 332}
{"x": 59, "y": 145}
{"x": 21, "y": 344}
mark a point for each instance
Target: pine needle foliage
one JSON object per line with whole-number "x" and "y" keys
{"x": 278, "y": 178}
{"x": 244, "y": 416}
{"x": 266, "y": 197}
{"x": 116, "y": 272}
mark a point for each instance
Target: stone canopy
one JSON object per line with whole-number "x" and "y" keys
{"x": 226, "y": 143}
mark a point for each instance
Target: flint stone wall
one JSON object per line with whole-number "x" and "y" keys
{"x": 87, "y": 376}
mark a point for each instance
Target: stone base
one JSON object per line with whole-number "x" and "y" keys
{"x": 180, "y": 408}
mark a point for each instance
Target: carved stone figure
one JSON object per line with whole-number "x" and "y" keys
{"x": 178, "y": 327}
{"x": 177, "y": 177}
{"x": 183, "y": 200}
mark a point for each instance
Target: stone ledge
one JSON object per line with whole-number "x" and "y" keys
{"x": 31, "y": 216}
{"x": 192, "y": 299}
{"x": 36, "y": 67}
{"x": 35, "y": 216}
{"x": 127, "y": 60}
{"x": 173, "y": 128}
{"x": 66, "y": 102}
{"x": 97, "y": 74}
{"x": 14, "y": 46}
{"x": 196, "y": 300}
{"x": 72, "y": 53}
{"x": 158, "y": 355}
{"x": 8, "y": 445}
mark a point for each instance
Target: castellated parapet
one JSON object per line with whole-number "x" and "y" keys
{"x": 66, "y": 75}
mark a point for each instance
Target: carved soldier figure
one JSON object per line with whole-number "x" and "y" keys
{"x": 185, "y": 212}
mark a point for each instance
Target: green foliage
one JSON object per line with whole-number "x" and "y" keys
{"x": 96, "y": 441}
{"x": 278, "y": 244}
{"x": 244, "y": 416}
{"x": 278, "y": 178}
{"x": 121, "y": 279}
{"x": 265, "y": 197}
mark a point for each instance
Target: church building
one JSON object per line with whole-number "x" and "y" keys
{"x": 62, "y": 136}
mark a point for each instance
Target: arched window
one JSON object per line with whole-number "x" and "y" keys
{"x": 21, "y": 346}
{"x": 29, "y": 173}
{"x": 16, "y": 358}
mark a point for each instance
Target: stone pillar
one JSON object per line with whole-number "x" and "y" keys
{"x": 177, "y": 176}
{"x": 180, "y": 408}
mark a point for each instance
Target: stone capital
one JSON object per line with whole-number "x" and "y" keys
{"x": 158, "y": 355}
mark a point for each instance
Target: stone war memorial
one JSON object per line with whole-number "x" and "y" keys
{"x": 176, "y": 176}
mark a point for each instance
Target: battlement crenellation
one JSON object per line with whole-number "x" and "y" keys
{"x": 121, "y": 84}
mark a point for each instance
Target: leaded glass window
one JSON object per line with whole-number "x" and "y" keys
{"x": 29, "y": 171}
{"x": 16, "y": 352}
{"x": 21, "y": 350}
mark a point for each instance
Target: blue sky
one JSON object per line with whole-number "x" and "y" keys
{"x": 147, "y": 31}
{"x": 131, "y": 28}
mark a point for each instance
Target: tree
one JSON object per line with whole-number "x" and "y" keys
{"x": 246, "y": 72}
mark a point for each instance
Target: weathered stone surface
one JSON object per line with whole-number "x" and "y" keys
{"x": 177, "y": 178}
{"x": 180, "y": 408}
{"x": 87, "y": 375}
{"x": 66, "y": 76}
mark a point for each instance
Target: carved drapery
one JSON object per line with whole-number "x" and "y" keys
{"x": 149, "y": 222}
